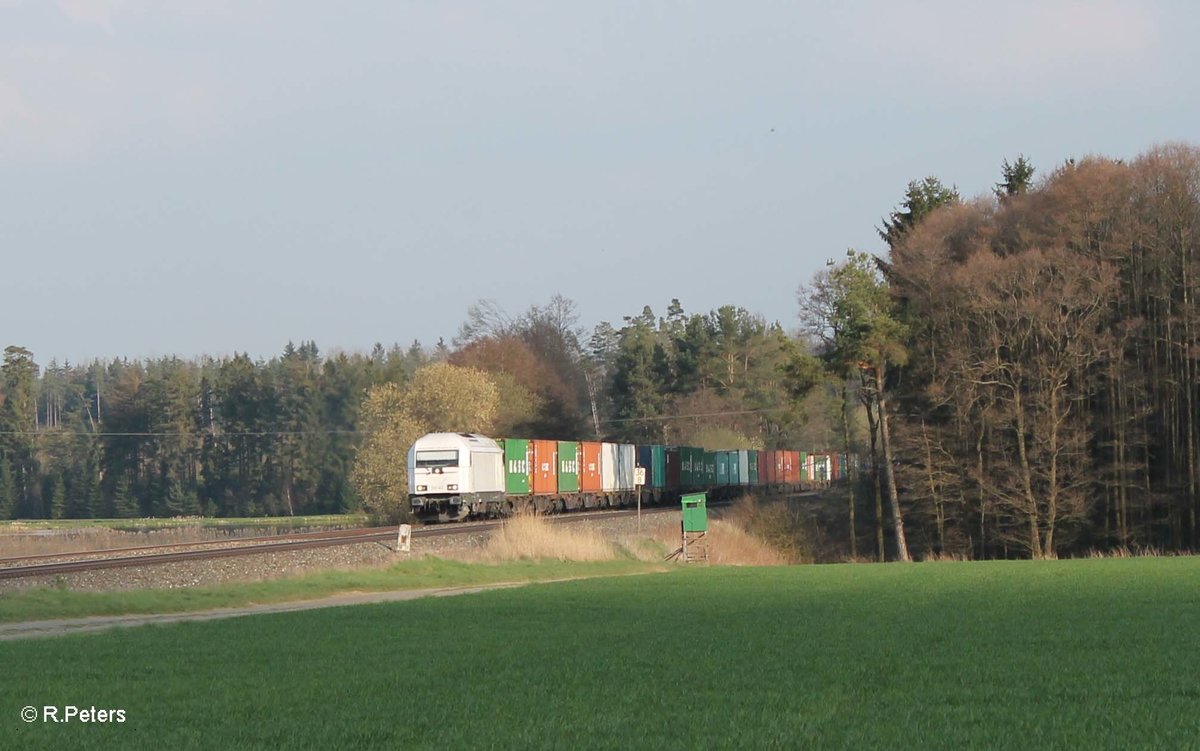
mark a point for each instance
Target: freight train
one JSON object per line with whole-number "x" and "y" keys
{"x": 453, "y": 476}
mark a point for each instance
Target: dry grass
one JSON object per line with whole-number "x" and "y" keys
{"x": 936, "y": 557}
{"x": 1125, "y": 551}
{"x": 778, "y": 525}
{"x": 531, "y": 537}
{"x": 17, "y": 542}
{"x": 728, "y": 544}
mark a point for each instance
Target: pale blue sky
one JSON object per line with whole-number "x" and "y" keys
{"x": 208, "y": 176}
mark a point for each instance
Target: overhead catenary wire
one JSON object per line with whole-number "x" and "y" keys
{"x": 275, "y": 433}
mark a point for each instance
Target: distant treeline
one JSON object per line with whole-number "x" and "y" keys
{"x": 240, "y": 437}
{"x": 164, "y": 437}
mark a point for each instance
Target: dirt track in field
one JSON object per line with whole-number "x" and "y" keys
{"x": 62, "y": 627}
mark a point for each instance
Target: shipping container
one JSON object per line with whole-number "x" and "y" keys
{"x": 658, "y": 456}
{"x": 626, "y": 464}
{"x": 568, "y": 467}
{"x": 699, "y": 478}
{"x": 764, "y": 476}
{"x": 752, "y": 465}
{"x": 653, "y": 459}
{"x": 673, "y": 462}
{"x": 777, "y": 472}
{"x": 589, "y": 467}
{"x": 691, "y": 466}
{"x": 806, "y": 467}
{"x": 617, "y": 462}
{"x": 791, "y": 467}
{"x": 645, "y": 461}
{"x": 710, "y": 468}
{"x": 722, "y": 467}
{"x": 518, "y": 457}
{"x": 735, "y": 477}
{"x": 743, "y": 459}
{"x": 544, "y": 471}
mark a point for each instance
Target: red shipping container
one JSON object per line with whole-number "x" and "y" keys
{"x": 544, "y": 472}
{"x": 833, "y": 466}
{"x": 762, "y": 468}
{"x": 589, "y": 467}
{"x": 779, "y": 475}
{"x": 674, "y": 468}
{"x": 791, "y": 467}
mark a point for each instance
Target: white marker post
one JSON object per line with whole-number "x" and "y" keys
{"x": 404, "y": 539}
{"x": 639, "y": 479}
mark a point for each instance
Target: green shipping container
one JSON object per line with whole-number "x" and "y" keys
{"x": 697, "y": 455}
{"x": 658, "y": 467}
{"x": 753, "y": 468}
{"x": 653, "y": 459}
{"x": 710, "y": 468}
{"x": 517, "y": 461}
{"x": 735, "y": 477}
{"x": 722, "y": 467}
{"x": 686, "y": 477}
{"x": 802, "y": 470}
{"x": 568, "y": 467}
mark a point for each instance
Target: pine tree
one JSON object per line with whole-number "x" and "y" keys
{"x": 8, "y": 496}
{"x": 920, "y": 200}
{"x": 58, "y": 498}
{"x": 1018, "y": 178}
{"x": 126, "y": 505}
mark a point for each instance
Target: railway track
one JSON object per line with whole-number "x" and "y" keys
{"x": 52, "y": 564}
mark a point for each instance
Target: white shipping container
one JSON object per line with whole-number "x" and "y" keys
{"x": 617, "y": 463}
{"x": 743, "y": 460}
{"x": 608, "y": 467}
{"x": 822, "y": 468}
{"x": 626, "y": 466}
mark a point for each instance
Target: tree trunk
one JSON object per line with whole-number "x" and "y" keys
{"x": 889, "y": 475}
{"x": 852, "y": 473}
{"x": 934, "y": 493}
{"x": 877, "y": 482}
{"x": 1031, "y": 510}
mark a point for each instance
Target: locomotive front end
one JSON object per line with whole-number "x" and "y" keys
{"x": 454, "y": 475}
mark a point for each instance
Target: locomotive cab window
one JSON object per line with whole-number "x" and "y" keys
{"x": 434, "y": 459}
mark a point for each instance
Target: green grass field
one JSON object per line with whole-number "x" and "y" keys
{"x": 1072, "y": 654}
{"x": 423, "y": 573}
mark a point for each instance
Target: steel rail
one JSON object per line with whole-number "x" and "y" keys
{"x": 348, "y": 537}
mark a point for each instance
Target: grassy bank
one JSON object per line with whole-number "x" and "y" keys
{"x": 1088, "y": 653}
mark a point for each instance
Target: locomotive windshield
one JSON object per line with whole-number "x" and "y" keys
{"x": 432, "y": 459}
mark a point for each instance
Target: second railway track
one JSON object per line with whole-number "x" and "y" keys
{"x": 255, "y": 546}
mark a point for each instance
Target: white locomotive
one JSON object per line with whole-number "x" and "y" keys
{"x": 455, "y": 475}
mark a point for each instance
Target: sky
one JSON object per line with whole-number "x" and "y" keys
{"x": 205, "y": 177}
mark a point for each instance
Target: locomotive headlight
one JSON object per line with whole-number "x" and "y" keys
{"x": 452, "y": 487}
{"x": 422, "y": 488}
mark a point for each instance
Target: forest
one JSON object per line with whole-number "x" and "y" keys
{"x": 1017, "y": 373}
{"x": 240, "y": 437}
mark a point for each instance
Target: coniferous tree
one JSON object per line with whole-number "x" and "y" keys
{"x": 1018, "y": 178}
{"x": 920, "y": 199}
{"x": 126, "y": 506}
